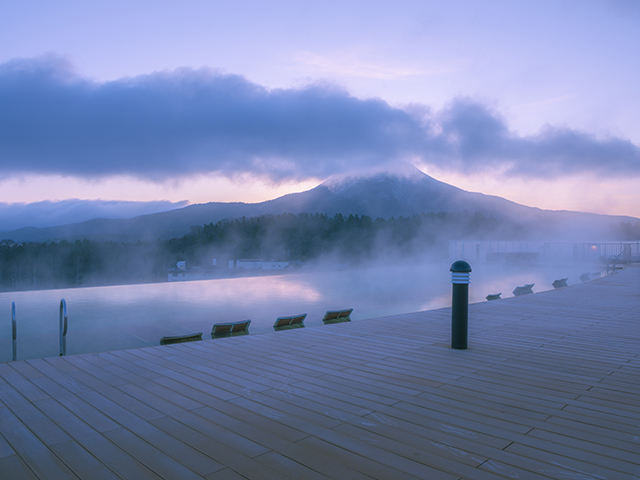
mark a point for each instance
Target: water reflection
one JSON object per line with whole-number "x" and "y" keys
{"x": 130, "y": 316}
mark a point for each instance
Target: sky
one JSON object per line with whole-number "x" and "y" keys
{"x": 114, "y": 108}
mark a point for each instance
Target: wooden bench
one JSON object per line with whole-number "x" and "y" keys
{"x": 294, "y": 321}
{"x": 494, "y": 296}
{"x": 523, "y": 290}
{"x": 337, "y": 316}
{"x": 230, "y": 329}
{"x": 560, "y": 283}
{"x": 187, "y": 337}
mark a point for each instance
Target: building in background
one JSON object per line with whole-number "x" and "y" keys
{"x": 182, "y": 273}
{"x": 257, "y": 264}
{"x": 484, "y": 251}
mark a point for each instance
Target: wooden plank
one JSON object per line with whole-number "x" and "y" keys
{"x": 126, "y": 361}
{"x": 112, "y": 401}
{"x": 491, "y": 407}
{"x": 195, "y": 381}
{"x": 230, "y": 382}
{"x": 567, "y": 424}
{"x": 331, "y": 435}
{"x": 434, "y": 430}
{"x": 628, "y": 412}
{"x": 81, "y": 462}
{"x": 38, "y": 423}
{"x": 320, "y": 403}
{"x": 35, "y": 454}
{"x": 235, "y": 460}
{"x": 14, "y": 468}
{"x": 23, "y": 368}
{"x": 11, "y": 376}
{"x": 152, "y": 458}
{"x": 92, "y": 441}
{"x": 88, "y": 414}
{"x": 51, "y": 388}
{"x": 289, "y": 408}
{"x": 201, "y": 425}
{"x": 234, "y": 418}
{"x": 372, "y": 468}
{"x": 288, "y": 467}
{"x": 464, "y": 419}
{"x": 87, "y": 369}
{"x": 626, "y": 453}
{"x": 197, "y": 390}
{"x": 267, "y": 437}
{"x": 154, "y": 437}
{"x": 567, "y": 464}
{"x": 5, "y": 448}
{"x": 440, "y": 455}
{"x": 596, "y": 415}
{"x": 158, "y": 398}
{"x": 229, "y": 374}
{"x": 525, "y": 398}
{"x": 299, "y": 423}
{"x": 226, "y": 474}
{"x": 349, "y": 392}
{"x": 56, "y": 375}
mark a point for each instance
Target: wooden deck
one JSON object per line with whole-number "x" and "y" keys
{"x": 549, "y": 388}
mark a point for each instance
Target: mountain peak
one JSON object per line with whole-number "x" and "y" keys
{"x": 398, "y": 170}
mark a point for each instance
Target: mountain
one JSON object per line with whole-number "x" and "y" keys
{"x": 383, "y": 194}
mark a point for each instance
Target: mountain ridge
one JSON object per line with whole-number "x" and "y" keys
{"x": 382, "y": 194}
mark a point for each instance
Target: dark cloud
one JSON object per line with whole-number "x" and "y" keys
{"x": 477, "y": 138}
{"x": 49, "y": 214}
{"x": 182, "y": 122}
{"x": 187, "y": 121}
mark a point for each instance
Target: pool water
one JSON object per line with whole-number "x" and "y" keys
{"x": 131, "y": 316}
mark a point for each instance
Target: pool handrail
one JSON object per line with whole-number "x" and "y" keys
{"x": 14, "y": 333}
{"x": 64, "y": 321}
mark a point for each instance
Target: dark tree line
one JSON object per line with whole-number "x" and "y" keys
{"x": 346, "y": 239}
{"x": 33, "y": 265}
{"x": 349, "y": 239}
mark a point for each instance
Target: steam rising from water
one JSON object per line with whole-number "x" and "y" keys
{"x": 111, "y": 318}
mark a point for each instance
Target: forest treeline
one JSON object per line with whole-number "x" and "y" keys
{"x": 342, "y": 239}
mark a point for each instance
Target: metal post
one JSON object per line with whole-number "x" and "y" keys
{"x": 14, "y": 332}
{"x": 63, "y": 327}
{"x": 460, "y": 279}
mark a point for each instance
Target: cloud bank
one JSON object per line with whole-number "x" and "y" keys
{"x": 183, "y": 122}
{"x": 50, "y": 214}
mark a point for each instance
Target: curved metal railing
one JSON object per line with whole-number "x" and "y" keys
{"x": 64, "y": 324}
{"x": 14, "y": 333}
{"x": 64, "y": 321}
{"x": 613, "y": 260}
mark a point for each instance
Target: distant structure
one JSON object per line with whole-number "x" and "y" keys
{"x": 503, "y": 251}
{"x": 181, "y": 273}
{"x": 255, "y": 264}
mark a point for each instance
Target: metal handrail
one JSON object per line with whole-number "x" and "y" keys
{"x": 64, "y": 321}
{"x": 615, "y": 259}
{"x": 14, "y": 333}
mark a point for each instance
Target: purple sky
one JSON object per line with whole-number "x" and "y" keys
{"x": 203, "y": 101}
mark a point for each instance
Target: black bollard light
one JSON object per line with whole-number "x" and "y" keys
{"x": 460, "y": 278}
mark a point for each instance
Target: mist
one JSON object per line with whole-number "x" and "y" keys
{"x": 48, "y": 213}
{"x": 300, "y": 241}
